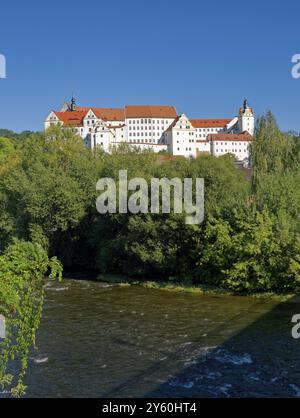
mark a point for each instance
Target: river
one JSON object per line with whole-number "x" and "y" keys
{"x": 99, "y": 340}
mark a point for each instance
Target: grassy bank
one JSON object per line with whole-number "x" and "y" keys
{"x": 187, "y": 287}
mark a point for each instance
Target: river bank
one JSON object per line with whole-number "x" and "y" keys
{"x": 187, "y": 287}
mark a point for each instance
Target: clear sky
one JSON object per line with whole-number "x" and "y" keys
{"x": 204, "y": 57}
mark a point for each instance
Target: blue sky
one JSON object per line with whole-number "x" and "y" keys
{"x": 204, "y": 57}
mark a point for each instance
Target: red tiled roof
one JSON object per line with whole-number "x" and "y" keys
{"x": 150, "y": 112}
{"x": 109, "y": 114}
{"x": 245, "y": 136}
{"x": 71, "y": 118}
{"x": 117, "y": 114}
{"x": 105, "y": 113}
{"x": 209, "y": 123}
{"x": 76, "y": 117}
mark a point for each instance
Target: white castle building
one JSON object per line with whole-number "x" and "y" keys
{"x": 158, "y": 128}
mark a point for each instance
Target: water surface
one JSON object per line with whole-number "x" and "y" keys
{"x": 98, "y": 340}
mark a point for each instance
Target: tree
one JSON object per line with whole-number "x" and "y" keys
{"x": 22, "y": 269}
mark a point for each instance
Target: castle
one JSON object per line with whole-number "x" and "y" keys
{"x": 159, "y": 128}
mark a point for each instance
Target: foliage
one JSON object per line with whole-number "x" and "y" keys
{"x": 251, "y": 254}
{"x": 23, "y": 266}
{"x": 249, "y": 241}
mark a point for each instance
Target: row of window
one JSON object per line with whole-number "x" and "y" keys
{"x": 225, "y": 143}
{"x": 187, "y": 149}
{"x": 142, "y": 134}
{"x": 210, "y": 129}
{"x": 190, "y": 133}
{"x": 162, "y": 121}
{"x": 184, "y": 126}
{"x": 142, "y": 127}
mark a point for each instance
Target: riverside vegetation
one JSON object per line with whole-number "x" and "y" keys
{"x": 248, "y": 243}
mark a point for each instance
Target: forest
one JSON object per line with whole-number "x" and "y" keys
{"x": 249, "y": 241}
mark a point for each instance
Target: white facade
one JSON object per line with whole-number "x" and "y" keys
{"x": 181, "y": 137}
{"x": 236, "y": 144}
{"x": 158, "y": 128}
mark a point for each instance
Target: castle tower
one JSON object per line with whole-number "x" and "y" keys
{"x": 73, "y": 104}
{"x": 246, "y": 118}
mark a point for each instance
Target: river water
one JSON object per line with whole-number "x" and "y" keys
{"x": 98, "y": 340}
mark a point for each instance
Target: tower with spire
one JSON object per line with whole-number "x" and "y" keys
{"x": 73, "y": 104}
{"x": 246, "y": 118}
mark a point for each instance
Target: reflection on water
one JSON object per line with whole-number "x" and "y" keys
{"x": 98, "y": 340}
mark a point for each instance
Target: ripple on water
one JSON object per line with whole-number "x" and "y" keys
{"x": 57, "y": 289}
{"x": 296, "y": 390}
{"x": 224, "y": 356}
{"x": 39, "y": 360}
{"x": 177, "y": 383}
